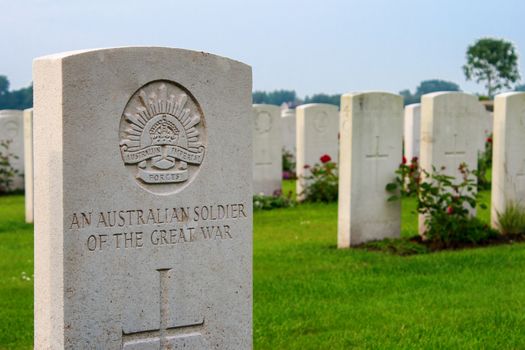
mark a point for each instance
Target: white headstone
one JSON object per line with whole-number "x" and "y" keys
{"x": 12, "y": 129}
{"x": 508, "y": 160}
{"x": 371, "y": 150}
{"x": 267, "y": 149}
{"x": 449, "y": 134}
{"x": 412, "y": 130}
{"x": 143, "y": 214}
{"x": 288, "y": 124}
{"x": 317, "y": 128}
{"x": 486, "y": 128}
{"x": 28, "y": 164}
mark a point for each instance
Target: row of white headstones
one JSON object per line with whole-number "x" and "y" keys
{"x": 16, "y": 127}
{"x": 366, "y": 139}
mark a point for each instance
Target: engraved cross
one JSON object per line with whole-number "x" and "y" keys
{"x": 455, "y": 151}
{"x": 161, "y": 335}
{"x": 377, "y": 154}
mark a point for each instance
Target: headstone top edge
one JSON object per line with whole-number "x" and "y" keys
{"x": 368, "y": 93}
{"x": 439, "y": 94}
{"x": 317, "y": 105}
{"x": 147, "y": 49}
{"x": 265, "y": 105}
{"x": 511, "y": 94}
{"x": 413, "y": 105}
{"x": 9, "y": 111}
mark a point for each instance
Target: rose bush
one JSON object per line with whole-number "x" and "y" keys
{"x": 321, "y": 181}
{"x": 445, "y": 202}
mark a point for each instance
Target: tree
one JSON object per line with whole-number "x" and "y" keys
{"x": 16, "y": 99}
{"x": 493, "y": 61}
{"x": 435, "y": 85}
{"x": 426, "y": 87}
{"x": 520, "y": 88}
{"x": 4, "y": 85}
{"x": 324, "y": 98}
{"x": 277, "y": 97}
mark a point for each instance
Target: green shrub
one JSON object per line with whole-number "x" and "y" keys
{"x": 277, "y": 200}
{"x": 512, "y": 220}
{"x": 288, "y": 165}
{"x": 446, "y": 203}
{"x": 322, "y": 181}
{"x": 7, "y": 172}
{"x": 484, "y": 164}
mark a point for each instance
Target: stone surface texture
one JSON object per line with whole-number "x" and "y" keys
{"x": 412, "y": 130}
{"x": 371, "y": 150}
{"x": 508, "y": 157}
{"x": 28, "y": 164}
{"x": 450, "y": 133}
{"x": 12, "y": 129}
{"x": 143, "y": 200}
{"x": 317, "y": 130}
{"x": 267, "y": 149}
{"x": 288, "y": 125}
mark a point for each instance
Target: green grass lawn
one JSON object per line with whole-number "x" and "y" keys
{"x": 309, "y": 295}
{"x": 16, "y": 275}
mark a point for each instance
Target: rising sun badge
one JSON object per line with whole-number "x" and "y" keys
{"x": 162, "y": 136}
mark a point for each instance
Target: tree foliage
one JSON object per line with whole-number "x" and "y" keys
{"x": 426, "y": 87}
{"x": 324, "y": 98}
{"x": 277, "y": 97}
{"x": 16, "y": 99}
{"x": 493, "y": 61}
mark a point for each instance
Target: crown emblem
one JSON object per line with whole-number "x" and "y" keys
{"x": 161, "y": 134}
{"x": 164, "y": 132}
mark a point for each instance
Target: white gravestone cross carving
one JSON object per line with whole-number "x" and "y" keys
{"x": 166, "y": 337}
{"x": 376, "y": 156}
{"x": 371, "y": 148}
{"x": 143, "y": 200}
{"x": 449, "y": 135}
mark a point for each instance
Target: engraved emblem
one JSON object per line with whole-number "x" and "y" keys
{"x": 263, "y": 122}
{"x": 321, "y": 122}
{"x": 12, "y": 129}
{"x": 162, "y": 136}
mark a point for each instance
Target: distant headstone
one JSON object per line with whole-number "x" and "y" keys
{"x": 317, "y": 134}
{"x": 449, "y": 134}
{"x": 371, "y": 150}
{"x": 485, "y": 128}
{"x": 28, "y": 164}
{"x": 267, "y": 148}
{"x": 412, "y": 130}
{"x": 508, "y": 161}
{"x": 288, "y": 125}
{"x": 12, "y": 130}
{"x": 143, "y": 200}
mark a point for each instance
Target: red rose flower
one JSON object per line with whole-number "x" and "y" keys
{"x": 489, "y": 139}
{"x": 325, "y": 158}
{"x": 404, "y": 160}
{"x": 414, "y": 159}
{"x": 450, "y": 210}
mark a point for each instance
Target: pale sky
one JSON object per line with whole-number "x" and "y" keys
{"x": 309, "y": 46}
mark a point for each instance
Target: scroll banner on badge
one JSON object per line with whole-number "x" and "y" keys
{"x": 162, "y": 177}
{"x": 170, "y": 151}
